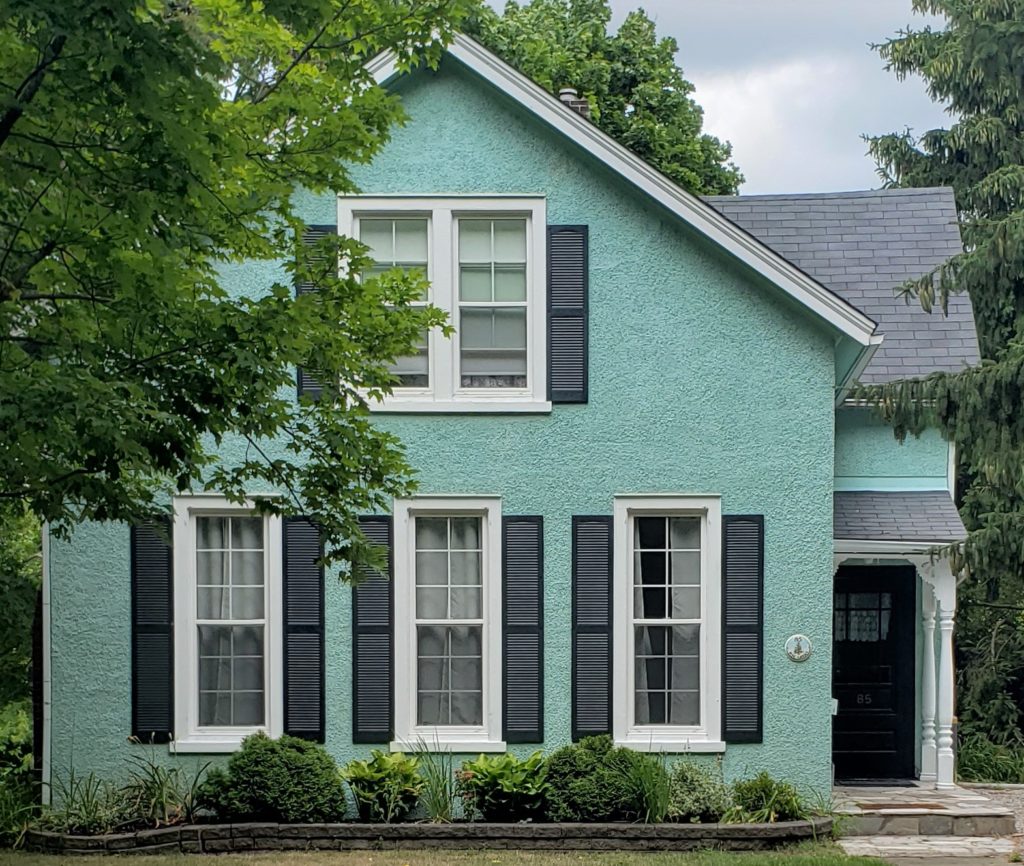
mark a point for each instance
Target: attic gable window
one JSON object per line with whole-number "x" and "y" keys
{"x": 485, "y": 259}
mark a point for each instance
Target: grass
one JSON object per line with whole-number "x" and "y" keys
{"x": 804, "y": 855}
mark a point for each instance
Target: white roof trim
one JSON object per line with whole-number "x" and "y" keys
{"x": 853, "y": 546}
{"x": 811, "y": 294}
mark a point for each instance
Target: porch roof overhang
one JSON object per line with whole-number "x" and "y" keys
{"x": 902, "y": 521}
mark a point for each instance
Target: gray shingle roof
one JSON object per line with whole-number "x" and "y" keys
{"x": 905, "y": 516}
{"x": 863, "y": 246}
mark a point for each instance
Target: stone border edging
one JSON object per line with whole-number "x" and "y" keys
{"x": 220, "y": 838}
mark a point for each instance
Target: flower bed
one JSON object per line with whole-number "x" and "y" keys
{"x": 219, "y": 838}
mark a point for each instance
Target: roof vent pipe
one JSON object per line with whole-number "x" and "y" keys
{"x": 571, "y": 97}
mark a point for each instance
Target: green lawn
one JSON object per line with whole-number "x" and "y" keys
{"x": 811, "y": 855}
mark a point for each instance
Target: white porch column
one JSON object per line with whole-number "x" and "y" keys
{"x": 945, "y": 771}
{"x": 928, "y": 744}
{"x": 939, "y": 576}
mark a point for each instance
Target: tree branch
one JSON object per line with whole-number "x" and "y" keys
{"x": 30, "y": 86}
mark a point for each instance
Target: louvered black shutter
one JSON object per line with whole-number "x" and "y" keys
{"x": 568, "y": 287}
{"x": 591, "y": 626}
{"x": 742, "y": 628}
{"x": 303, "y": 630}
{"x": 522, "y": 557}
{"x": 373, "y": 664}
{"x": 307, "y": 384}
{"x": 152, "y": 585}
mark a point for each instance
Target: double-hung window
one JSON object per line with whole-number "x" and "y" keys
{"x": 667, "y": 625}
{"x": 485, "y": 259}
{"x": 227, "y": 629}
{"x": 448, "y": 623}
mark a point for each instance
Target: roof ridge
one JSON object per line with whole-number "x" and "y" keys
{"x": 894, "y": 192}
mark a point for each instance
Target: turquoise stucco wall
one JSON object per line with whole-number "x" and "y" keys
{"x": 868, "y": 456}
{"x": 702, "y": 381}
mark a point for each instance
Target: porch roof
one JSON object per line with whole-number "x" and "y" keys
{"x": 926, "y": 516}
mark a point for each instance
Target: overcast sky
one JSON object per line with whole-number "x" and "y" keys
{"x": 793, "y": 84}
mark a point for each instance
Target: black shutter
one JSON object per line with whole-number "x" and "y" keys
{"x": 742, "y": 628}
{"x": 373, "y": 663}
{"x": 591, "y": 626}
{"x": 303, "y": 630}
{"x": 307, "y": 384}
{"x": 568, "y": 286}
{"x": 522, "y": 558}
{"x": 152, "y": 585}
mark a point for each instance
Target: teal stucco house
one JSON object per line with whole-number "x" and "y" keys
{"x": 647, "y": 506}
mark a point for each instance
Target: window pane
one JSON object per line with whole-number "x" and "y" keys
{"x": 477, "y": 329}
{"x": 509, "y": 283}
{"x": 650, "y": 603}
{"x": 649, "y": 533}
{"x": 211, "y": 568}
{"x": 213, "y": 603}
{"x": 686, "y": 568}
{"x": 667, "y": 675}
{"x": 510, "y": 240}
{"x": 432, "y": 674}
{"x": 377, "y": 235}
{"x": 211, "y": 533}
{"x": 231, "y": 676}
{"x": 247, "y": 603}
{"x": 467, "y": 674}
{"x": 247, "y": 568}
{"x": 411, "y": 241}
{"x": 432, "y": 603}
{"x": 649, "y": 568}
{"x": 475, "y": 283}
{"x": 431, "y": 533}
{"x": 466, "y": 603}
{"x": 247, "y": 533}
{"x": 493, "y": 345}
{"x": 466, "y": 568}
{"x": 449, "y": 676}
{"x": 432, "y": 568}
{"x": 432, "y": 708}
{"x": 685, "y": 603}
{"x": 510, "y": 329}
{"x": 475, "y": 240}
{"x": 465, "y": 533}
{"x": 685, "y": 533}
{"x": 467, "y": 708}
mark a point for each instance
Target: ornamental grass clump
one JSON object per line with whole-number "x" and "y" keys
{"x": 764, "y": 800}
{"x": 503, "y": 787}
{"x": 287, "y": 781}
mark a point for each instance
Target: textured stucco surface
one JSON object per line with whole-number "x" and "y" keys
{"x": 701, "y": 382}
{"x": 867, "y": 450}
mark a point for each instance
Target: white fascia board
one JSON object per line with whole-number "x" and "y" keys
{"x": 825, "y": 304}
{"x": 867, "y": 353}
{"x": 875, "y": 548}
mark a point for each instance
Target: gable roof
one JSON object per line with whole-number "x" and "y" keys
{"x": 864, "y": 246}
{"x": 825, "y": 304}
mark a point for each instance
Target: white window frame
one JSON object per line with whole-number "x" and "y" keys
{"x": 456, "y": 738}
{"x": 189, "y": 736}
{"x": 706, "y": 737}
{"x": 446, "y": 393}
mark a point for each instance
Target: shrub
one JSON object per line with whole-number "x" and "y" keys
{"x": 697, "y": 793}
{"x": 978, "y": 759}
{"x": 386, "y": 788}
{"x": 17, "y": 810}
{"x": 763, "y": 800}
{"x": 594, "y": 781}
{"x": 288, "y": 780}
{"x": 503, "y": 787}
{"x": 16, "y": 743}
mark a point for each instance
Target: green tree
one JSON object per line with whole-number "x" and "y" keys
{"x": 637, "y": 93}
{"x": 20, "y": 577}
{"x": 975, "y": 67}
{"x": 148, "y": 147}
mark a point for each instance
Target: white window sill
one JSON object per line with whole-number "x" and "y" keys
{"x": 673, "y": 744}
{"x": 460, "y": 746}
{"x": 208, "y": 745}
{"x": 505, "y": 406}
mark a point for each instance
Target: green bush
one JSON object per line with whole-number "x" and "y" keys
{"x": 16, "y": 743}
{"x": 288, "y": 780}
{"x": 594, "y": 781}
{"x": 764, "y": 800}
{"x": 386, "y": 787}
{"x": 697, "y": 793}
{"x": 978, "y": 759}
{"x": 163, "y": 795}
{"x": 503, "y": 788}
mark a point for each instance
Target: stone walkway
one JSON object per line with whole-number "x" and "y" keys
{"x": 950, "y": 848}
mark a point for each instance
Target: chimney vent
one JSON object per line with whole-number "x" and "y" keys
{"x": 571, "y": 97}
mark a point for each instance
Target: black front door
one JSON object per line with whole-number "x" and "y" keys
{"x": 873, "y": 672}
